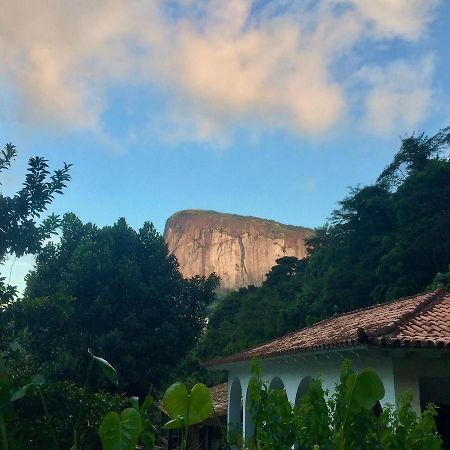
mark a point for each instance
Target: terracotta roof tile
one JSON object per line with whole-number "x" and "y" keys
{"x": 421, "y": 320}
{"x": 219, "y": 395}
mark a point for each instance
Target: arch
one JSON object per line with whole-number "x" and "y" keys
{"x": 302, "y": 388}
{"x": 277, "y": 383}
{"x": 249, "y": 426}
{"x": 235, "y": 412}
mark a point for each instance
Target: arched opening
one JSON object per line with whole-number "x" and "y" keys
{"x": 249, "y": 418}
{"x": 276, "y": 383}
{"x": 302, "y": 388}
{"x": 235, "y": 409}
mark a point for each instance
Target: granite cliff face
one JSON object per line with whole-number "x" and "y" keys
{"x": 241, "y": 250}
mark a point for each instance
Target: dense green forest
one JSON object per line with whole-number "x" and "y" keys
{"x": 113, "y": 290}
{"x": 384, "y": 241}
{"x": 118, "y": 291}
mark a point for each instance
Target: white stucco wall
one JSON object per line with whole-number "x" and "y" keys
{"x": 400, "y": 369}
{"x": 293, "y": 369}
{"x": 432, "y": 366}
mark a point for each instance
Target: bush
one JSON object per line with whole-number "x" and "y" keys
{"x": 37, "y": 429}
{"x": 350, "y": 419}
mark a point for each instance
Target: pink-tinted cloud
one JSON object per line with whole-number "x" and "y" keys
{"x": 221, "y": 63}
{"x": 399, "y": 96}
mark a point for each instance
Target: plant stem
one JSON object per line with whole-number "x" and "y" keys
{"x": 3, "y": 430}
{"x": 342, "y": 439}
{"x": 221, "y": 429}
{"x": 82, "y": 407}
{"x": 183, "y": 438}
{"x": 49, "y": 419}
{"x": 186, "y": 425}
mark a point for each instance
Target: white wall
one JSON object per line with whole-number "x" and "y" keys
{"x": 410, "y": 367}
{"x": 293, "y": 369}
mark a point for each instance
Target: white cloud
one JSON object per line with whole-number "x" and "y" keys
{"x": 405, "y": 19}
{"x": 221, "y": 63}
{"x": 400, "y": 95}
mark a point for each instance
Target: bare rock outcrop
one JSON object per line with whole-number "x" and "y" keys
{"x": 240, "y": 249}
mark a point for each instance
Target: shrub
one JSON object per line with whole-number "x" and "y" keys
{"x": 350, "y": 419}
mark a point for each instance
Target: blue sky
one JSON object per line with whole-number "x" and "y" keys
{"x": 263, "y": 108}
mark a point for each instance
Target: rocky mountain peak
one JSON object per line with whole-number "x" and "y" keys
{"x": 240, "y": 249}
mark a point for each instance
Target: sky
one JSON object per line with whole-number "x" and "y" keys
{"x": 269, "y": 108}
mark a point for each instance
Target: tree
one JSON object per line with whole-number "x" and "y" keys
{"x": 384, "y": 241}
{"x": 117, "y": 291}
{"x": 414, "y": 154}
{"x": 20, "y": 234}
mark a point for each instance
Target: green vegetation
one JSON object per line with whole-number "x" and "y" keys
{"x": 186, "y": 408}
{"x": 385, "y": 241}
{"x": 20, "y": 233}
{"x": 118, "y": 292}
{"x": 350, "y": 419}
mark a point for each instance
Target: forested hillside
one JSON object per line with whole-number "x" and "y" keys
{"x": 384, "y": 241}
{"x": 119, "y": 292}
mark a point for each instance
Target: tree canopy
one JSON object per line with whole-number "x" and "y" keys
{"x": 117, "y": 291}
{"x": 384, "y": 241}
{"x": 20, "y": 234}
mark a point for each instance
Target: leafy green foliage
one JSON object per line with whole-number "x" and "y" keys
{"x": 121, "y": 432}
{"x": 53, "y": 415}
{"x": 108, "y": 370}
{"x": 345, "y": 421}
{"x": 117, "y": 291}
{"x": 385, "y": 241}
{"x": 273, "y": 415}
{"x": 364, "y": 389}
{"x": 186, "y": 408}
{"x": 20, "y": 234}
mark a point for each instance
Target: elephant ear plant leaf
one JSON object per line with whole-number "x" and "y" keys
{"x": 200, "y": 407}
{"x": 121, "y": 432}
{"x": 37, "y": 380}
{"x": 176, "y": 404}
{"x": 365, "y": 389}
{"x": 108, "y": 370}
{"x": 362, "y": 391}
{"x": 124, "y": 432}
{"x": 186, "y": 408}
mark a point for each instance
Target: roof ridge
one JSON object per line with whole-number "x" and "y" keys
{"x": 362, "y": 335}
{"x": 430, "y": 299}
{"x": 353, "y": 311}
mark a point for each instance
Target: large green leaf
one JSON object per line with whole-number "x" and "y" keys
{"x": 38, "y": 380}
{"x": 200, "y": 407}
{"x": 107, "y": 368}
{"x": 364, "y": 389}
{"x": 21, "y": 392}
{"x": 176, "y": 401}
{"x": 120, "y": 433}
{"x": 148, "y": 439}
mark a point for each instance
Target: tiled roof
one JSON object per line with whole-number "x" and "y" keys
{"x": 421, "y": 321}
{"x": 219, "y": 395}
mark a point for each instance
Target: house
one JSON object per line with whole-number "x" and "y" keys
{"x": 406, "y": 341}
